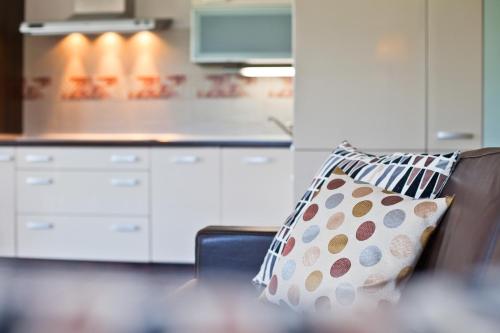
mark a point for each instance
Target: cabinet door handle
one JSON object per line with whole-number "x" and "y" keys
{"x": 38, "y": 181}
{"x": 443, "y": 135}
{"x": 257, "y": 160}
{"x": 6, "y": 158}
{"x": 124, "y": 158}
{"x": 186, "y": 159}
{"x": 38, "y": 158}
{"x": 39, "y": 225}
{"x": 125, "y": 182}
{"x": 125, "y": 227}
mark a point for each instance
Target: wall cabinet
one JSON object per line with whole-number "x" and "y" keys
{"x": 134, "y": 204}
{"x": 186, "y": 190}
{"x": 7, "y": 202}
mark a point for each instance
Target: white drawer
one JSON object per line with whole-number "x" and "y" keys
{"x": 83, "y": 158}
{"x": 68, "y": 192}
{"x": 256, "y": 186}
{"x": 83, "y": 238}
{"x": 7, "y": 154}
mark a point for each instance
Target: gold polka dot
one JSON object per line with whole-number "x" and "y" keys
{"x": 362, "y": 191}
{"x": 374, "y": 283}
{"x": 335, "y": 221}
{"x": 425, "y": 209}
{"x": 337, "y": 243}
{"x": 449, "y": 200}
{"x": 293, "y": 295}
{"x": 313, "y": 281}
{"x": 403, "y": 275}
{"x": 401, "y": 246}
{"x": 362, "y": 208}
{"x": 338, "y": 171}
{"x": 424, "y": 238}
{"x": 388, "y": 192}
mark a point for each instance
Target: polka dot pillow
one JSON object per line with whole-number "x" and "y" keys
{"x": 352, "y": 247}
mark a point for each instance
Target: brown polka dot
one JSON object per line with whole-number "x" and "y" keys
{"x": 425, "y": 209}
{"x": 362, "y": 191}
{"x": 340, "y": 267}
{"x": 323, "y": 304}
{"x": 335, "y": 221}
{"x": 403, "y": 275}
{"x": 374, "y": 283}
{"x": 293, "y": 295}
{"x": 310, "y": 212}
{"x": 337, "y": 243}
{"x": 425, "y": 235}
{"x": 311, "y": 256}
{"x": 401, "y": 246}
{"x": 362, "y": 208}
{"x": 288, "y": 246}
{"x": 273, "y": 285}
{"x": 313, "y": 281}
{"x": 338, "y": 171}
{"x": 391, "y": 200}
{"x": 365, "y": 230}
{"x": 335, "y": 184}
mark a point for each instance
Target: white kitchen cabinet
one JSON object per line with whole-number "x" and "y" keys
{"x": 186, "y": 195}
{"x": 7, "y": 202}
{"x": 83, "y": 192}
{"x": 455, "y": 74}
{"x": 361, "y": 74}
{"x": 256, "y": 186}
{"x": 83, "y": 238}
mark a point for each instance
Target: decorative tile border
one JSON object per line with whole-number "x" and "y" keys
{"x": 154, "y": 87}
{"x": 34, "y": 88}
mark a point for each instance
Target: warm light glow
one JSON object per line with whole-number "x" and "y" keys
{"x": 110, "y": 38}
{"x": 268, "y": 71}
{"x": 144, "y": 38}
{"x": 76, "y": 40}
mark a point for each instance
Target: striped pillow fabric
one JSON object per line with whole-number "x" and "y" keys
{"x": 415, "y": 175}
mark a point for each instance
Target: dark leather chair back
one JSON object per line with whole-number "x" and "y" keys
{"x": 466, "y": 241}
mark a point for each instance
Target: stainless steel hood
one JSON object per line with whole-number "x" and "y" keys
{"x": 97, "y": 16}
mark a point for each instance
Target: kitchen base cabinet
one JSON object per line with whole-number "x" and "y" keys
{"x": 83, "y": 238}
{"x": 185, "y": 198}
{"x": 7, "y": 202}
{"x": 256, "y": 186}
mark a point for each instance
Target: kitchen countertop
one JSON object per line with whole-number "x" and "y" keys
{"x": 146, "y": 140}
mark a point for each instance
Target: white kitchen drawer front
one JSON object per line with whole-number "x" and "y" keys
{"x": 83, "y": 158}
{"x": 106, "y": 192}
{"x": 256, "y": 186}
{"x": 7, "y": 202}
{"x": 83, "y": 238}
{"x": 186, "y": 197}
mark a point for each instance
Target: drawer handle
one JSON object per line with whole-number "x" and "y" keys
{"x": 125, "y": 227}
{"x": 124, "y": 158}
{"x": 124, "y": 182}
{"x": 257, "y": 160}
{"x": 186, "y": 159}
{"x": 38, "y": 158}
{"x": 443, "y": 135}
{"x": 6, "y": 158}
{"x": 39, "y": 225}
{"x": 35, "y": 181}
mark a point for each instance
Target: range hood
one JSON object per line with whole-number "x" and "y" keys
{"x": 97, "y": 16}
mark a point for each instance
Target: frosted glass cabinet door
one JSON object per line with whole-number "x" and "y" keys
{"x": 360, "y": 74}
{"x": 455, "y": 74}
{"x": 185, "y": 198}
{"x": 7, "y": 203}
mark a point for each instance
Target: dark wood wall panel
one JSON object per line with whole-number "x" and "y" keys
{"x": 11, "y": 66}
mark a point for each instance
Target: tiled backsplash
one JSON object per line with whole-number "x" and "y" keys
{"x": 144, "y": 83}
